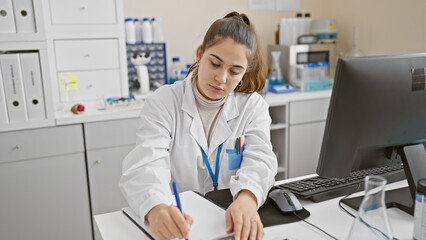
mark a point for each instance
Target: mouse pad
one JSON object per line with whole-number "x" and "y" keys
{"x": 269, "y": 214}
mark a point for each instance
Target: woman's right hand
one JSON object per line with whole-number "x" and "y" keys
{"x": 167, "y": 222}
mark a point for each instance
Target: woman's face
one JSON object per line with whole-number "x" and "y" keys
{"x": 221, "y": 67}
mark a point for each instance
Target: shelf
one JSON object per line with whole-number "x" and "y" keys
{"x": 92, "y": 115}
{"x": 18, "y": 37}
{"x": 278, "y": 126}
{"x": 26, "y": 125}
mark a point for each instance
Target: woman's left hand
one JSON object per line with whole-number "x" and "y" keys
{"x": 242, "y": 217}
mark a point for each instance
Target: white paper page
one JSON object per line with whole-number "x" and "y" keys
{"x": 209, "y": 219}
{"x": 288, "y": 5}
{"x": 259, "y": 5}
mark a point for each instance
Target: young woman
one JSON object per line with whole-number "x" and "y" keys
{"x": 188, "y": 133}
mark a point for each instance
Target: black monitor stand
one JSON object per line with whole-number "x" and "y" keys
{"x": 414, "y": 160}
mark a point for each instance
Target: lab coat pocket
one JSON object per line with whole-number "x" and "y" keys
{"x": 234, "y": 159}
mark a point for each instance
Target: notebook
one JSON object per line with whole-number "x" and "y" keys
{"x": 209, "y": 219}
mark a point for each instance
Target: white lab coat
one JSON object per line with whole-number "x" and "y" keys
{"x": 168, "y": 148}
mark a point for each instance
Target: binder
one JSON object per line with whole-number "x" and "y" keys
{"x": 33, "y": 85}
{"x": 14, "y": 89}
{"x": 3, "y": 109}
{"x": 7, "y": 20}
{"x": 24, "y": 16}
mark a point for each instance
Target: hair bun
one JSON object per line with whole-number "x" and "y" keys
{"x": 242, "y": 17}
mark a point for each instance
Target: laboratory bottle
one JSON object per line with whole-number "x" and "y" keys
{"x": 129, "y": 25}
{"x": 138, "y": 30}
{"x": 293, "y": 30}
{"x": 157, "y": 30}
{"x": 275, "y": 74}
{"x": 372, "y": 221}
{"x": 355, "y": 51}
{"x": 284, "y": 38}
{"x": 174, "y": 70}
{"x": 307, "y": 23}
{"x": 299, "y": 26}
{"x": 419, "y": 232}
{"x": 146, "y": 31}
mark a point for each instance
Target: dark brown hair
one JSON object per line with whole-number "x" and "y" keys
{"x": 238, "y": 27}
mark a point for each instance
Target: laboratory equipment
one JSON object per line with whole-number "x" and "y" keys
{"x": 174, "y": 70}
{"x": 372, "y": 222}
{"x": 140, "y": 60}
{"x": 355, "y": 51}
{"x": 146, "y": 31}
{"x": 308, "y": 67}
{"x": 275, "y": 74}
{"x": 129, "y": 25}
{"x": 157, "y": 30}
{"x": 419, "y": 232}
{"x": 325, "y": 29}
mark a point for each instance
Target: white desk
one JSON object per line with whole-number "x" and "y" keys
{"x": 326, "y": 215}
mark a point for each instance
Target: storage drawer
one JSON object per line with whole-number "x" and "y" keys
{"x": 86, "y": 54}
{"x": 42, "y": 142}
{"x": 110, "y": 133}
{"x": 309, "y": 110}
{"x": 90, "y": 85}
{"x": 83, "y": 12}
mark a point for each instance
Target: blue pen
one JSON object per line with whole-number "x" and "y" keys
{"x": 176, "y": 192}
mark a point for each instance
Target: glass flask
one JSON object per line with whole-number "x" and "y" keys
{"x": 372, "y": 220}
{"x": 355, "y": 51}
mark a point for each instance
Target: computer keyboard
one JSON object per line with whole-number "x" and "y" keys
{"x": 319, "y": 188}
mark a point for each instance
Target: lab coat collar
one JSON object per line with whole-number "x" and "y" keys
{"x": 222, "y": 130}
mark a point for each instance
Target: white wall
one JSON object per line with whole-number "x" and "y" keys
{"x": 385, "y": 26}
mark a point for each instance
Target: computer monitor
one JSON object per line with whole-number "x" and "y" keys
{"x": 377, "y": 106}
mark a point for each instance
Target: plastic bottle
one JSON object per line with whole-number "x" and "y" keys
{"x": 130, "y": 31}
{"x": 157, "y": 30}
{"x": 146, "y": 31}
{"x": 307, "y": 24}
{"x": 174, "y": 70}
{"x": 419, "y": 232}
{"x": 293, "y": 30}
{"x": 299, "y": 26}
{"x": 138, "y": 30}
{"x": 284, "y": 32}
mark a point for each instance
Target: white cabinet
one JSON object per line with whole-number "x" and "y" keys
{"x": 83, "y": 12}
{"x": 86, "y": 54}
{"x": 43, "y": 185}
{"x": 107, "y": 143}
{"x": 306, "y": 130}
{"x": 81, "y": 45}
{"x": 298, "y": 122}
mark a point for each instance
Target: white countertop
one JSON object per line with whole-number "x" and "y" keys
{"x": 94, "y": 115}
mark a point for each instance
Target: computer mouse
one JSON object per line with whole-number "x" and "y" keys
{"x": 285, "y": 201}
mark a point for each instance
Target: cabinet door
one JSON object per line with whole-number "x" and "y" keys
{"x": 83, "y": 12}
{"x": 305, "y": 145}
{"x": 105, "y": 167}
{"x": 89, "y": 54}
{"x": 45, "y": 198}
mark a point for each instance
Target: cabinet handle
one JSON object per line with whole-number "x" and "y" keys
{"x": 87, "y": 55}
{"x": 82, "y": 8}
{"x": 97, "y": 162}
{"x": 16, "y": 147}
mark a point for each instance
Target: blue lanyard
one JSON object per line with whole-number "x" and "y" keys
{"x": 216, "y": 174}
